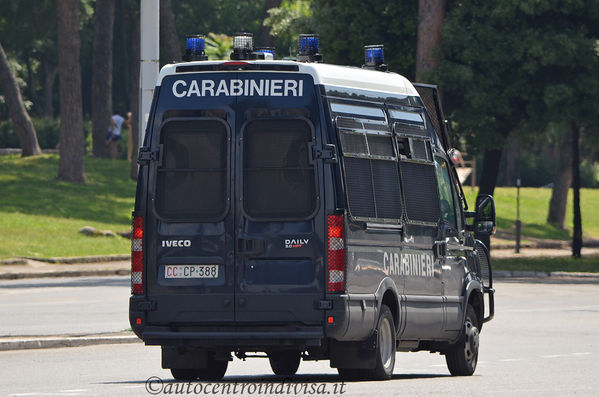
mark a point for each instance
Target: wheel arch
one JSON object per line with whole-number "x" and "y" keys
{"x": 387, "y": 294}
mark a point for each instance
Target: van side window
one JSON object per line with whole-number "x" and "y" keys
{"x": 192, "y": 181}
{"x": 420, "y": 191}
{"x": 446, "y": 195}
{"x": 370, "y": 163}
{"x": 278, "y": 179}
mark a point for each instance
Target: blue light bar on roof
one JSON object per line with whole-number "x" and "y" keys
{"x": 308, "y": 48}
{"x": 374, "y": 55}
{"x": 308, "y": 44}
{"x": 195, "y": 48}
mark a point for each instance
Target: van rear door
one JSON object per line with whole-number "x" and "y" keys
{"x": 235, "y": 201}
{"x": 279, "y": 216}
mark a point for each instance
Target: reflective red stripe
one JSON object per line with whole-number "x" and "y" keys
{"x": 336, "y": 253}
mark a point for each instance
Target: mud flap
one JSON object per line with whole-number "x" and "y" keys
{"x": 183, "y": 357}
{"x": 360, "y": 354}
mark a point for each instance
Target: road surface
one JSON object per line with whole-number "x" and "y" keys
{"x": 544, "y": 341}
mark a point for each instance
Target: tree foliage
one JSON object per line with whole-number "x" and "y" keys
{"x": 345, "y": 27}
{"x": 516, "y": 65}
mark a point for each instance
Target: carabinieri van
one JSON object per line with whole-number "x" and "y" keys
{"x": 299, "y": 210}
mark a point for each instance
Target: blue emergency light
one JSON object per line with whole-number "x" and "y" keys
{"x": 195, "y": 48}
{"x": 308, "y": 48}
{"x": 374, "y": 57}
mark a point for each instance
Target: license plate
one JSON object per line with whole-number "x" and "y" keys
{"x": 191, "y": 271}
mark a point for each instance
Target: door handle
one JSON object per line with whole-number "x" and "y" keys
{"x": 440, "y": 249}
{"x": 250, "y": 247}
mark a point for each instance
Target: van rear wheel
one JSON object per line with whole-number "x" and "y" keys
{"x": 185, "y": 374}
{"x": 215, "y": 369}
{"x": 462, "y": 357}
{"x": 385, "y": 347}
{"x": 284, "y": 362}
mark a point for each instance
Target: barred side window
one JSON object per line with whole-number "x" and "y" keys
{"x": 371, "y": 173}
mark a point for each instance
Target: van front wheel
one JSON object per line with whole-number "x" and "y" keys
{"x": 462, "y": 357}
{"x": 285, "y": 362}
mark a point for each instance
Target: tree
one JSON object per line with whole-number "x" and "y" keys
{"x": 561, "y": 181}
{"x": 265, "y": 38}
{"x": 71, "y": 166}
{"x": 102, "y": 76}
{"x": 169, "y": 40}
{"x": 577, "y": 235}
{"x": 507, "y": 68}
{"x": 20, "y": 118}
{"x": 134, "y": 90}
{"x": 346, "y": 26}
{"x": 430, "y": 22}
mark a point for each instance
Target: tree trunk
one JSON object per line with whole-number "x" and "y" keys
{"x": 169, "y": 39}
{"x": 71, "y": 166}
{"x": 102, "y": 76}
{"x": 266, "y": 39}
{"x": 561, "y": 182}
{"x": 50, "y": 72}
{"x": 577, "y": 235}
{"x": 430, "y": 22}
{"x": 18, "y": 114}
{"x": 135, "y": 91}
{"x": 31, "y": 85}
{"x": 488, "y": 180}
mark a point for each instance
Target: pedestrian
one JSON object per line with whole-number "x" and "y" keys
{"x": 457, "y": 158}
{"x": 114, "y": 133}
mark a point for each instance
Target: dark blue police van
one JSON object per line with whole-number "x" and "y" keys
{"x": 298, "y": 210}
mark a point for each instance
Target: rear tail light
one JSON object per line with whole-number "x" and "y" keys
{"x": 336, "y": 254}
{"x": 137, "y": 256}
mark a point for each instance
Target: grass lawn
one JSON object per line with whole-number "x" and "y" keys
{"x": 534, "y": 207}
{"x": 565, "y": 264}
{"x": 41, "y": 215}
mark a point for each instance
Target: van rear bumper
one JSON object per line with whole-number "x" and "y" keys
{"x": 305, "y": 336}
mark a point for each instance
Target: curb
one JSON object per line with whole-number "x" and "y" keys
{"x": 518, "y": 274}
{"x": 83, "y": 259}
{"x": 65, "y": 273}
{"x": 52, "y": 342}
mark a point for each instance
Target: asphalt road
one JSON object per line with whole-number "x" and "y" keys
{"x": 54, "y": 306}
{"x": 543, "y": 341}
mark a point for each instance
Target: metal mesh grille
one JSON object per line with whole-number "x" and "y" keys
{"x": 359, "y": 187}
{"x": 420, "y": 150}
{"x": 420, "y": 191}
{"x": 483, "y": 261}
{"x": 427, "y": 96}
{"x": 386, "y": 189}
{"x": 192, "y": 182}
{"x": 346, "y": 122}
{"x": 410, "y": 129}
{"x": 278, "y": 180}
{"x": 380, "y": 145}
{"x": 353, "y": 143}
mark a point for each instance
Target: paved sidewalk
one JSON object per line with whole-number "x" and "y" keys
{"x": 36, "y": 269}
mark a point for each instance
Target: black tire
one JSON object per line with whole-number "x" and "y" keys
{"x": 215, "y": 370}
{"x": 185, "y": 374}
{"x": 385, "y": 346}
{"x": 350, "y": 373}
{"x": 284, "y": 363}
{"x": 461, "y": 358}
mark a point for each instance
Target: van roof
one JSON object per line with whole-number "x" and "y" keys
{"x": 324, "y": 74}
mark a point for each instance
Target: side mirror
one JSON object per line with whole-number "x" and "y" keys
{"x": 484, "y": 215}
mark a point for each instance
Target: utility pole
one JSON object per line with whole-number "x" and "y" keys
{"x": 149, "y": 58}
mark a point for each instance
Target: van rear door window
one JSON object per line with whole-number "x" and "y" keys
{"x": 192, "y": 182}
{"x": 278, "y": 179}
